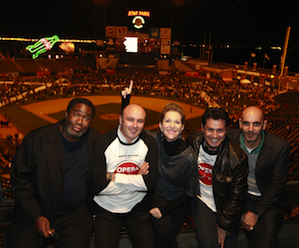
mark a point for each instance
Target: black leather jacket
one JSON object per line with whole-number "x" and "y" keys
{"x": 38, "y": 170}
{"x": 229, "y": 180}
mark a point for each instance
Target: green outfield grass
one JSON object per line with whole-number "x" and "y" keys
{"x": 22, "y": 119}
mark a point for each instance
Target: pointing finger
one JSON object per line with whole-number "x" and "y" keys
{"x": 131, "y": 86}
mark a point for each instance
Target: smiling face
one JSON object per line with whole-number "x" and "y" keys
{"x": 214, "y": 133}
{"x": 171, "y": 125}
{"x": 77, "y": 122}
{"x": 252, "y": 124}
{"x": 132, "y": 122}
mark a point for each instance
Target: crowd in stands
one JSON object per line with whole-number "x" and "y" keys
{"x": 204, "y": 93}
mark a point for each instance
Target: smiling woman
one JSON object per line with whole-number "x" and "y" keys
{"x": 177, "y": 176}
{"x": 171, "y": 121}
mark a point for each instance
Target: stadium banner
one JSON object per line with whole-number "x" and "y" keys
{"x": 165, "y": 46}
{"x": 192, "y": 73}
{"x": 155, "y": 33}
{"x": 163, "y": 73}
{"x": 121, "y": 32}
{"x": 111, "y": 31}
{"x": 110, "y": 71}
{"x": 165, "y": 33}
{"x": 43, "y": 73}
{"x": 12, "y": 74}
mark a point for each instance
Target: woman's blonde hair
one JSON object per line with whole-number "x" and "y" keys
{"x": 172, "y": 107}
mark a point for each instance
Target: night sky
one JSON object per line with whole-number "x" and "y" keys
{"x": 239, "y": 23}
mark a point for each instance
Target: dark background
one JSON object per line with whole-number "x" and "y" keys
{"x": 241, "y": 24}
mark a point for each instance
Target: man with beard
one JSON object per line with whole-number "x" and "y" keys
{"x": 268, "y": 157}
{"x": 223, "y": 168}
{"x": 49, "y": 179}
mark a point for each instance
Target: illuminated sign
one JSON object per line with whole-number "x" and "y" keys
{"x": 42, "y": 46}
{"x": 138, "y": 22}
{"x": 138, "y": 13}
{"x": 165, "y": 33}
{"x": 35, "y": 40}
{"x": 249, "y": 73}
{"x": 68, "y": 47}
{"x": 131, "y": 44}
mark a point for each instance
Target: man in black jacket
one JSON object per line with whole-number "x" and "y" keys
{"x": 49, "y": 179}
{"x": 223, "y": 169}
{"x": 268, "y": 157}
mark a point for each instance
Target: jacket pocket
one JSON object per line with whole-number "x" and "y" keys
{"x": 224, "y": 178}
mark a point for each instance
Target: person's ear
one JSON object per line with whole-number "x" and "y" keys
{"x": 240, "y": 123}
{"x": 160, "y": 126}
{"x": 265, "y": 124}
{"x": 182, "y": 128}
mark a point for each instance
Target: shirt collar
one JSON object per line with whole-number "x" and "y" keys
{"x": 255, "y": 150}
{"x": 123, "y": 139}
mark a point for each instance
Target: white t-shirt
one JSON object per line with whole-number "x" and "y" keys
{"x": 205, "y": 163}
{"x": 129, "y": 187}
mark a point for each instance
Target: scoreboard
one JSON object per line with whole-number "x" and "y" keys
{"x": 147, "y": 39}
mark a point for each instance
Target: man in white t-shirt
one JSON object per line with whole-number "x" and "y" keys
{"x": 223, "y": 168}
{"x": 124, "y": 170}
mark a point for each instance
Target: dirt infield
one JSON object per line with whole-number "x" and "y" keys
{"x": 43, "y": 108}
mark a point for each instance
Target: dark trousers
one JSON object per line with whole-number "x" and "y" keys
{"x": 265, "y": 231}
{"x": 74, "y": 229}
{"x": 206, "y": 226}
{"x": 108, "y": 227}
{"x": 167, "y": 227}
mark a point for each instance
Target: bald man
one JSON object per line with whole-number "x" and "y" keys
{"x": 124, "y": 170}
{"x": 268, "y": 158}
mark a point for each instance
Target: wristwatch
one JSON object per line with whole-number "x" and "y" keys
{"x": 110, "y": 176}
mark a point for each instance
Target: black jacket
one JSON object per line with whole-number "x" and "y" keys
{"x": 37, "y": 173}
{"x": 229, "y": 180}
{"x": 271, "y": 171}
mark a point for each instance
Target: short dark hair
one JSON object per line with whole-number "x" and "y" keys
{"x": 172, "y": 107}
{"x": 81, "y": 100}
{"x": 216, "y": 114}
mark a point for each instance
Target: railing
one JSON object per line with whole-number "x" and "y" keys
{"x": 291, "y": 198}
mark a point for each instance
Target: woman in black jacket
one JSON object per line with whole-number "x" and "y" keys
{"x": 177, "y": 175}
